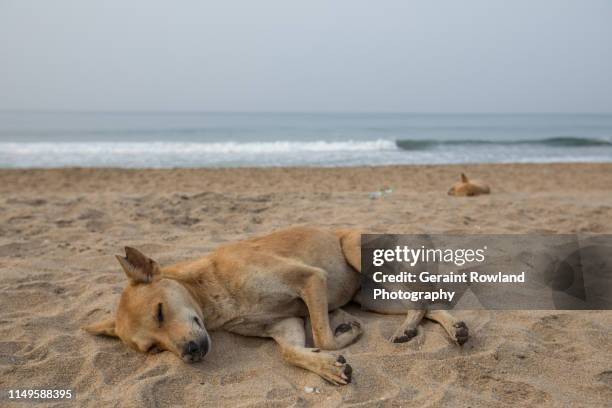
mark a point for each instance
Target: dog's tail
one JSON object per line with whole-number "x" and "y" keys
{"x": 350, "y": 241}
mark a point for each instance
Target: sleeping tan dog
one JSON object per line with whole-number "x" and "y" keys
{"x": 468, "y": 188}
{"x": 265, "y": 287}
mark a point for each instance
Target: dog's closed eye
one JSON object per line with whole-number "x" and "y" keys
{"x": 154, "y": 349}
{"x": 160, "y": 314}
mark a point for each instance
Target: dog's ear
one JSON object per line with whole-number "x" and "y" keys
{"x": 464, "y": 178}
{"x": 138, "y": 267}
{"x": 103, "y": 328}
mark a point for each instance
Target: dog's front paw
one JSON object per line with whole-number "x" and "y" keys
{"x": 461, "y": 333}
{"x": 335, "y": 369}
{"x": 402, "y": 336}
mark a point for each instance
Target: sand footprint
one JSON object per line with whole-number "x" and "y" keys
{"x": 605, "y": 377}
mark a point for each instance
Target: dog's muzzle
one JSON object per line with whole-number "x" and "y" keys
{"x": 194, "y": 351}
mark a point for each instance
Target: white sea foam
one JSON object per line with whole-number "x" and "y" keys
{"x": 191, "y": 154}
{"x": 280, "y": 153}
{"x": 191, "y": 148}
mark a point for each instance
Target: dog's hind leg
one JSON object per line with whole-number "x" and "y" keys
{"x": 408, "y": 329}
{"x": 456, "y": 329}
{"x": 290, "y": 336}
{"x": 350, "y": 241}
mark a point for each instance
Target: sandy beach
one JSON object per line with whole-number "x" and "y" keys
{"x": 60, "y": 229}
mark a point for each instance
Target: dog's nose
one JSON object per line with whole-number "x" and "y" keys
{"x": 197, "y": 348}
{"x": 192, "y": 348}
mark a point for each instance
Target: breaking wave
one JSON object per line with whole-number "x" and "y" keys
{"x": 422, "y": 144}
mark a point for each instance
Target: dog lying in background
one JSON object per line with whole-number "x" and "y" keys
{"x": 468, "y": 188}
{"x": 266, "y": 287}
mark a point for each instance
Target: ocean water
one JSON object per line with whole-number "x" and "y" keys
{"x": 100, "y": 139}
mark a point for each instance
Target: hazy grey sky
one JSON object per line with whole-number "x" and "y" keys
{"x": 315, "y": 55}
